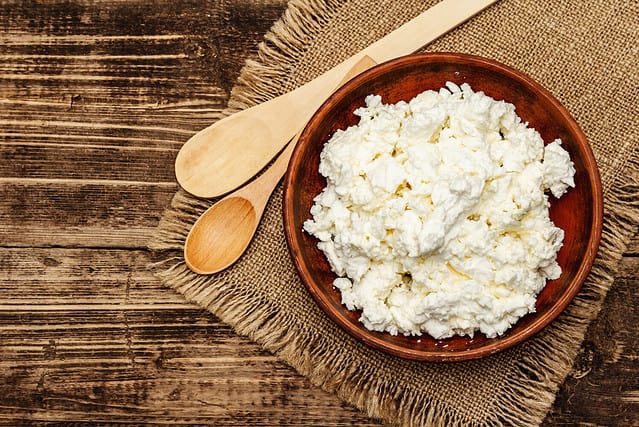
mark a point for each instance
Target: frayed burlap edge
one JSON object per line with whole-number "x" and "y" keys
{"x": 283, "y": 47}
{"x": 528, "y": 395}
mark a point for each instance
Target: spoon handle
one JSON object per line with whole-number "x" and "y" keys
{"x": 228, "y": 153}
{"x": 259, "y": 190}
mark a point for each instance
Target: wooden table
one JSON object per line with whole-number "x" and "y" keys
{"x": 96, "y": 98}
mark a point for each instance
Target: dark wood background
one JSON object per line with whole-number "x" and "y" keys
{"x": 96, "y": 97}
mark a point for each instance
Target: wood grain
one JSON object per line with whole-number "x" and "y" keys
{"x": 95, "y": 100}
{"x": 92, "y": 336}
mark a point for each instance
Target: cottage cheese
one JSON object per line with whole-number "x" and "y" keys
{"x": 434, "y": 216}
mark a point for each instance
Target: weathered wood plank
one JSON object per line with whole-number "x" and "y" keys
{"x": 86, "y": 213}
{"x": 90, "y": 163}
{"x": 121, "y": 123}
{"x": 49, "y": 277}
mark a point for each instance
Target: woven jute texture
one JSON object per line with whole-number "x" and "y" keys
{"x": 586, "y": 55}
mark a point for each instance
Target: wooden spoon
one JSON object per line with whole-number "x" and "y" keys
{"x": 225, "y": 155}
{"x": 223, "y": 232}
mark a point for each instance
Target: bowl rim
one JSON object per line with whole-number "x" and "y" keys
{"x": 501, "y": 343}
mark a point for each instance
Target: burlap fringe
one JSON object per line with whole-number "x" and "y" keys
{"x": 531, "y": 391}
{"x": 283, "y": 47}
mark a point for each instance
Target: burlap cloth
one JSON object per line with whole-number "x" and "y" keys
{"x": 585, "y": 53}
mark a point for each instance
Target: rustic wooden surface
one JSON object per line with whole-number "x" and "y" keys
{"x": 96, "y": 97}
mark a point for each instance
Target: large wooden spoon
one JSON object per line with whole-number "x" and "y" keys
{"x": 225, "y": 155}
{"x": 223, "y": 232}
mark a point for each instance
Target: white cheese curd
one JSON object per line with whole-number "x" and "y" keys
{"x": 435, "y": 216}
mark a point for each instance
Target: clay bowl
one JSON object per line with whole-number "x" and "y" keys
{"x": 579, "y": 212}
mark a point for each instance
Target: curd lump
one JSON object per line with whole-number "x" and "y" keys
{"x": 434, "y": 215}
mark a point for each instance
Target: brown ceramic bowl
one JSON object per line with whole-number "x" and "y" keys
{"x": 579, "y": 212}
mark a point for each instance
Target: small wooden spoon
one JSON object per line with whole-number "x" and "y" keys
{"x": 223, "y": 232}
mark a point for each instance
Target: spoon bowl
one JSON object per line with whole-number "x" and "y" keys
{"x": 208, "y": 248}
